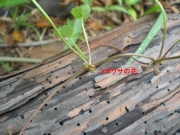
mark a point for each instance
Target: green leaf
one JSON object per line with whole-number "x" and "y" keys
{"x": 81, "y": 12}
{"x": 118, "y": 8}
{"x": 5, "y": 66}
{"x": 132, "y": 13}
{"x": 120, "y": 2}
{"x": 98, "y": 9}
{"x": 152, "y": 10}
{"x": 108, "y": 27}
{"x": 152, "y": 33}
{"x": 69, "y": 22}
{"x": 66, "y": 31}
{"x": 11, "y": 3}
{"x": 76, "y": 29}
{"x": 87, "y": 2}
{"x": 131, "y": 2}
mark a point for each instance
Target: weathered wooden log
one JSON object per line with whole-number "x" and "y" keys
{"x": 127, "y": 104}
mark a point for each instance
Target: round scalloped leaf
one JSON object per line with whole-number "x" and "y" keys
{"x": 82, "y": 11}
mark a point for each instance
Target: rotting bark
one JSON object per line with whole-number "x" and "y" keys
{"x": 135, "y": 104}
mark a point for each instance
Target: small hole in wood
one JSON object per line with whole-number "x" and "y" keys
{"x": 57, "y": 91}
{"x": 46, "y": 105}
{"x": 167, "y": 70}
{"x": 74, "y": 71}
{"x": 49, "y": 134}
{"x": 84, "y": 133}
{"x": 171, "y": 114}
{"x": 80, "y": 78}
{"x": 170, "y": 81}
{"x": 55, "y": 109}
{"x": 145, "y": 122}
{"x": 78, "y": 124}
{"x": 85, "y": 89}
{"x": 63, "y": 86}
{"x": 117, "y": 124}
{"x": 46, "y": 94}
{"x": 162, "y": 104}
{"x": 68, "y": 72}
{"x": 157, "y": 87}
{"x": 107, "y": 118}
{"x": 49, "y": 81}
{"x": 52, "y": 72}
{"x": 90, "y": 111}
{"x": 81, "y": 112}
{"x": 168, "y": 89}
{"x": 41, "y": 109}
{"x": 22, "y": 116}
{"x": 108, "y": 102}
{"x": 61, "y": 123}
{"x": 90, "y": 96}
{"x": 57, "y": 77}
{"x": 127, "y": 110}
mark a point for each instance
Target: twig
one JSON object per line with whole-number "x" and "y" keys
{"x": 6, "y": 19}
{"x": 33, "y": 43}
{"x": 13, "y": 59}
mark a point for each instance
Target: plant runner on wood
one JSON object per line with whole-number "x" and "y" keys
{"x": 82, "y": 12}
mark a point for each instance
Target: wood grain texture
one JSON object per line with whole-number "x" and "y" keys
{"x": 134, "y": 105}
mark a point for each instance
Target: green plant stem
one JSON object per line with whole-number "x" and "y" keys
{"x": 170, "y": 48}
{"x": 78, "y": 49}
{"x": 170, "y": 58}
{"x": 12, "y": 59}
{"x": 87, "y": 43}
{"x": 124, "y": 55}
{"x": 121, "y": 50}
{"x": 55, "y": 28}
{"x": 164, "y": 35}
